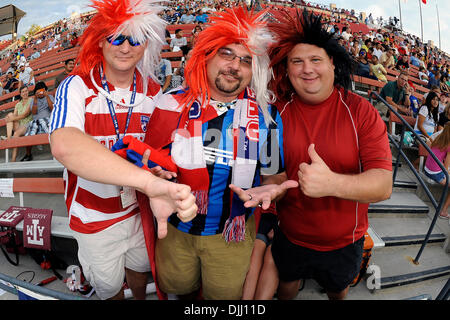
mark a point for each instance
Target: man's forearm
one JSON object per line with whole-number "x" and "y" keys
{"x": 367, "y": 187}
{"x": 86, "y": 158}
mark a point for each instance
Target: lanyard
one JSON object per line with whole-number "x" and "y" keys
{"x": 112, "y": 112}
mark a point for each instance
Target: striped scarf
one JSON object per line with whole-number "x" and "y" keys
{"x": 188, "y": 155}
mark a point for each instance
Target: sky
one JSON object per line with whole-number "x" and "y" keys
{"x": 45, "y": 12}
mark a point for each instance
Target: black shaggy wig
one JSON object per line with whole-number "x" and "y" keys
{"x": 297, "y": 26}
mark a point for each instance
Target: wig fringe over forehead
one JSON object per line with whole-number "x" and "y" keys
{"x": 292, "y": 27}
{"x": 137, "y": 18}
{"x": 236, "y": 25}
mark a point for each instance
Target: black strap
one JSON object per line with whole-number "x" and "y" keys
{"x": 12, "y": 242}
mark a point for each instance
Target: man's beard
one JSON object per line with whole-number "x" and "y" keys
{"x": 224, "y": 86}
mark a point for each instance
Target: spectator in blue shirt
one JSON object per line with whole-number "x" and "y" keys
{"x": 187, "y": 17}
{"x": 201, "y": 17}
{"x": 434, "y": 79}
{"x": 414, "y": 60}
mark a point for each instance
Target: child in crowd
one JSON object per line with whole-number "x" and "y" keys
{"x": 427, "y": 120}
{"x": 261, "y": 281}
{"x": 440, "y": 147}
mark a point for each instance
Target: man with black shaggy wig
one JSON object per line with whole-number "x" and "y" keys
{"x": 336, "y": 145}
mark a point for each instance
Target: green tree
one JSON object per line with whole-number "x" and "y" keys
{"x": 33, "y": 30}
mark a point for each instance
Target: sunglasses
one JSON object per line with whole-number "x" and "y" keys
{"x": 121, "y": 39}
{"x": 229, "y": 55}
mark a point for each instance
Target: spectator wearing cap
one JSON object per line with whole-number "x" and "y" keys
{"x": 364, "y": 66}
{"x": 11, "y": 83}
{"x": 26, "y": 75}
{"x": 41, "y": 109}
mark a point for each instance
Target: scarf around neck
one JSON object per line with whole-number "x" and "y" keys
{"x": 185, "y": 154}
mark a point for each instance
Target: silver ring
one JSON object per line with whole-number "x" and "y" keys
{"x": 250, "y": 197}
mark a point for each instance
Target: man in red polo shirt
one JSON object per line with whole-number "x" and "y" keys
{"x": 336, "y": 145}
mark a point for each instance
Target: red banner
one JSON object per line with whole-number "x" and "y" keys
{"x": 424, "y": 1}
{"x": 12, "y": 216}
{"x": 37, "y": 228}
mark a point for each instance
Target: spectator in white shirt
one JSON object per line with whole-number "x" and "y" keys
{"x": 179, "y": 42}
{"x": 35, "y": 54}
{"x": 378, "y": 50}
{"x": 26, "y": 75}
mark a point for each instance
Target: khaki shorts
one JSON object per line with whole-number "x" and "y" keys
{"x": 185, "y": 262}
{"x": 105, "y": 255}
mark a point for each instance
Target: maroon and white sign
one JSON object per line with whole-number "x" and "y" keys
{"x": 37, "y": 228}
{"x": 12, "y": 216}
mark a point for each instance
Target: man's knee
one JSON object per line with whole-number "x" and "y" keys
{"x": 338, "y": 295}
{"x": 288, "y": 290}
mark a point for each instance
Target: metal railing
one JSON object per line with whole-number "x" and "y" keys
{"x": 445, "y": 292}
{"x": 399, "y": 147}
{"x": 13, "y": 285}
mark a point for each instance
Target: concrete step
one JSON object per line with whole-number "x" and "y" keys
{"x": 400, "y": 202}
{"x": 399, "y": 184}
{"x": 394, "y": 231}
{"x": 424, "y": 289}
{"x": 396, "y": 267}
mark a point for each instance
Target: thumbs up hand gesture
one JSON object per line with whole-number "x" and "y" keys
{"x": 316, "y": 179}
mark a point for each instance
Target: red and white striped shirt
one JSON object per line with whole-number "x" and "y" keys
{"x": 95, "y": 206}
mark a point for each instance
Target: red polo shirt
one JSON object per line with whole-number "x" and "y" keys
{"x": 347, "y": 131}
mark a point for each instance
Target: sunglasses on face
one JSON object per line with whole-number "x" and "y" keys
{"x": 229, "y": 55}
{"x": 121, "y": 39}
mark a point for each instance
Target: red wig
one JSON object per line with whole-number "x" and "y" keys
{"x": 137, "y": 17}
{"x": 236, "y": 25}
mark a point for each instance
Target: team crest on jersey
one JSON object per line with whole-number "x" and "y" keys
{"x": 144, "y": 123}
{"x": 195, "y": 111}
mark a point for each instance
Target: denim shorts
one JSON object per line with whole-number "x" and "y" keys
{"x": 438, "y": 177}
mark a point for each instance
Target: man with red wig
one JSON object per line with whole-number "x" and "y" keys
{"x": 336, "y": 146}
{"x": 224, "y": 138}
{"x": 110, "y": 94}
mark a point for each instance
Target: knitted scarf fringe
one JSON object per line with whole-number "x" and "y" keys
{"x": 234, "y": 229}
